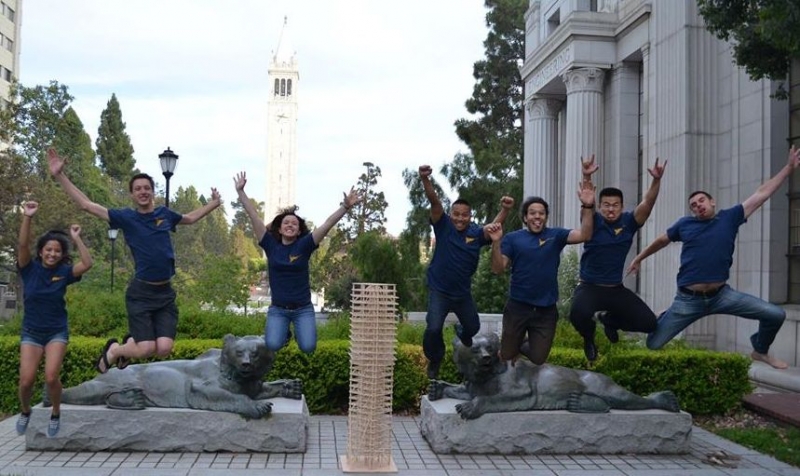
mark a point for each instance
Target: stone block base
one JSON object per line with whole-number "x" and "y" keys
{"x": 97, "y": 428}
{"x": 554, "y": 432}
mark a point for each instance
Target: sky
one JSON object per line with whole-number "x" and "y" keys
{"x": 379, "y": 81}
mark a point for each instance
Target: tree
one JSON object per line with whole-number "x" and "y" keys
{"x": 370, "y": 213}
{"x": 764, "y": 32}
{"x": 114, "y": 147}
{"x": 242, "y": 222}
{"x": 493, "y": 167}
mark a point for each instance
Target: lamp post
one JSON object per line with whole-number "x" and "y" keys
{"x": 112, "y": 235}
{"x": 365, "y": 200}
{"x": 168, "y": 160}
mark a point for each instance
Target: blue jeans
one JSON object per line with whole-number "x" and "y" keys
{"x": 686, "y": 309}
{"x": 305, "y": 327}
{"x": 439, "y": 305}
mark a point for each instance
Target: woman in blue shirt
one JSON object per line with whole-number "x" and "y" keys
{"x": 289, "y": 244}
{"x": 44, "y": 325}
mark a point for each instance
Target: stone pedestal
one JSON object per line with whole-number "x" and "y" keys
{"x": 97, "y": 428}
{"x": 554, "y": 432}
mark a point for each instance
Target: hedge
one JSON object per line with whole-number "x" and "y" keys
{"x": 705, "y": 382}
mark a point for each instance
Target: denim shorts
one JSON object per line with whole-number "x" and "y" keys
{"x": 40, "y": 338}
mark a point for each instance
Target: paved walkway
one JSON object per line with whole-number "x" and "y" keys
{"x": 412, "y": 455}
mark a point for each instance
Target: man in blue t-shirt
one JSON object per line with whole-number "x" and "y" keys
{"x": 709, "y": 238}
{"x": 455, "y": 260}
{"x": 534, "y": 254}
{"x": 600, "y": 292}
{"x": 150, "y": 299}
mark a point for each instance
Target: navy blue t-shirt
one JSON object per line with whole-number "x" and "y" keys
{"x": 44, "y": 290}
{"x": 603, "y": 258}
{"x": 535, "y": 258}
{"x": 147, "y": 235}
{"x": 707, "y": 252}
{"x": 288, "y": 269}
{"x": 455, "y": 258}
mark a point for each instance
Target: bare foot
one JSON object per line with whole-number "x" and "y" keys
{"x": 767, "y": 359}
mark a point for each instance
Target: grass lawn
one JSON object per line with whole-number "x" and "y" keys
{"x": 759, "y": 433}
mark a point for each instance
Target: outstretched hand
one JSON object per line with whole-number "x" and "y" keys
{"x": 215, "y": 196}
{"x": 239, "y": 181}
{"x": 75, "y": 231}
{"x": 55, "y": 161}
{"x": 507, "y": 202}
{"x": 589, "y": 166}
{"x": 30, "y": 208}
{"x": 633, "y": 268}
{"x": 794, "y": 157}
{"x": 351, "y": 198}
{"x": 657, "y": 171}
{"x": 586, "y": 193}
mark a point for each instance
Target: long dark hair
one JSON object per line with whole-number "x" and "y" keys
{"x": 61, "y": 238}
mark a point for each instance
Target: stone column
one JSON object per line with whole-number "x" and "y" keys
{"x": 584, "y": 134}
{"x": 540, "y": 169}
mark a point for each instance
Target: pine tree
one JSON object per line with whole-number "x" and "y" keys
{"x": 113, "y": 144}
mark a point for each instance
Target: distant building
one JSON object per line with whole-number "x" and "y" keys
{"x": 632, "y": 80}
{"x": 284, "y": 77}
{"x": 10, "y": 23}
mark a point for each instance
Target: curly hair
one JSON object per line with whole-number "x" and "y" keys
{"x": 61, "y": 238}
{"x": 274, "y": 227}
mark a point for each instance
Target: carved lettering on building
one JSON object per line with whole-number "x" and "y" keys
{"x": 551, "y": 69}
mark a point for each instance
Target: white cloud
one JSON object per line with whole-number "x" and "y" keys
{"x": 379, "y": 81}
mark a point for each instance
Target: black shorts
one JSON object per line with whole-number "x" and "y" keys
{"x": 152, "y": 311}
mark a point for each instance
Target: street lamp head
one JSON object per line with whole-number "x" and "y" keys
{"x": 368, "y": 164}
{"x": 169, "y": 160}
{"x": 112, "y": 233}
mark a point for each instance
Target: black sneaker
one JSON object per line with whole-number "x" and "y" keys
{"x": 590, "y": 349}
{"x": 433, "y": 369}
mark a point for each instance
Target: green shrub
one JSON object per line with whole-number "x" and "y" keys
{"x": 705, "y": 382}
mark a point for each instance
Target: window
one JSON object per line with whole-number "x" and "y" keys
{"x": 8, "y": 12}
{"x": 5, "y": 73}
{"x": 277, "y": 86}
{"x": 283, "y": 87}
{"x": 289, "y": 87}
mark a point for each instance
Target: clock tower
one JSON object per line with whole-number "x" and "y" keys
{"x": 281, "y": 127}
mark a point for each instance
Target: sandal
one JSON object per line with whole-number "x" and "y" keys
{"x": 123, "y": 361}
{"x": 103, "y": 359}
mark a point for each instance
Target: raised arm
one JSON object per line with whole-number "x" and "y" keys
{"x": 642, "y": 211}
{"x": 658, "y": 244}
{"x": 769, "y": 187}
{"x": 239, "y": 181}
{"x": 499, "y": 260}
{"x": 437, "y": 210}
{"x": 349, "y": 200}
{"x": 586, "y": 196}
{"x": 199, "y": 213}
{"x": 56, "y": 163}
{"x": 506, "y": 204}
{"x": 23, "y": 245}
{"x": 86, "y": 258}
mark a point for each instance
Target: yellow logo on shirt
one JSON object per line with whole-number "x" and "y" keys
{"x": 542, "y": 241}
{"x": 56, "y": 278}
{"x": 159, "y": 221}
{"x": 293, "y": 258}
{"x": 617, "y": 231}
{"x": 469, "y": 239}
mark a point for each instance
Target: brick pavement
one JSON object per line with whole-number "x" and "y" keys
{"x": 412, "y": 455}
